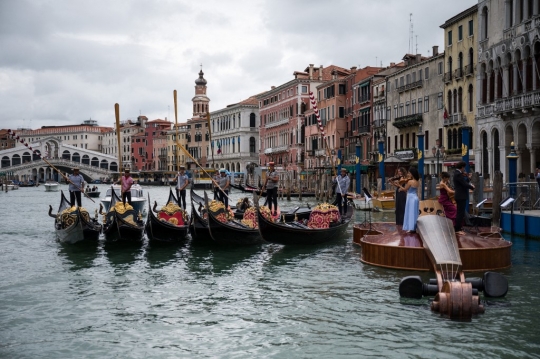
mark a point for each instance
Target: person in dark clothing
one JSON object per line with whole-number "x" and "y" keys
{"x": 461, "y": 188}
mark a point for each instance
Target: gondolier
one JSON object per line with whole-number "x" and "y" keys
{"x": 224, "y": 185}
{"x": 343, "y": 181}
{"x": 76, "y": 186}
{"x": 182, "y": 181}
{"x": 271, "y": 184}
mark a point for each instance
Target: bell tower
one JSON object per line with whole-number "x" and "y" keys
{"x": 200, "y": 100}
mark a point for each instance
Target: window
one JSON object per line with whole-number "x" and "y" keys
{"x": 413, "y": 108}
{"x": 341, "y": 89}
{"x": 460, "y": 32}
{"x": 439, "y": 101}
{"x": 252, "y": 144}
{"x": 471, "y": 29}
{"x": 419, "y": 105}
{"x": 440, "y": 68}
{"x": 426, "y": 141}
{"x": 341, "y": 112}
{"x": 450, "y": 38}
{"x": 304, "y": 89}
{"x": 426, "y": 104}
{"x": 407, "y": 113}
{"x": 426, "y": 76}
{"x": 388, "y": 113}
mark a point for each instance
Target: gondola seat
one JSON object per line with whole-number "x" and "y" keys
{"x": 250, "y": 216}
{"x": 173, "y": 214}
{"x": 323, "y": 215}
{"x": 218, "y": 210}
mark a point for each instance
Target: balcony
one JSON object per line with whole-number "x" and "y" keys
{"x": 511, "y": 105}
{"x": 454, "y": 119}
{"x": 364, "y": 99}
{"x": 283, "y": 121}
{"x": 448, "y": 77}
{"x": 379, "y": 123}
{"x": 469, "y": 70}
{"x": 320, "y": 153}
{"x": 363, "y": 130}
{"x": 458, "y": 73}
{"x": 273, "y": 150}
{"x": 411, "y": 86}
{"x": 408, "y": 121}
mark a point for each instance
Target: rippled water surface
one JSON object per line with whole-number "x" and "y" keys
{"x": 110, "y": 301}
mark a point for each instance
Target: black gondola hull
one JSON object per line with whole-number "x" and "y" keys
{"x": 117, "y": 229}
{"x": 199, "y": 228}
{"x": 229, "y": 233}
{"x": 291, "y": 234}
{"x": 160, "y": 231}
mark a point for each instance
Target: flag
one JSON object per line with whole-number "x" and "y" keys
{"x": 445, "y": 115}
{"x": 218, "y": 147}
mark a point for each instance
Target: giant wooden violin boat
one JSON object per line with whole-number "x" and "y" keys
{"x": 169, "y": 224}
{"x": 73, "y": 224}
{"x": 122, "y": 222}
{"x": 325, "y": 224}
{"x": 435, "y": 246}
{"x": 225, "y": 229}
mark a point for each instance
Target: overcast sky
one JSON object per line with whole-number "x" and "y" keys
{"x": 66, "y": 61}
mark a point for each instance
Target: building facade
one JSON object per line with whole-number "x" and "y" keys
{"x": 508, "y": 85}
{"x": 235, "y": 136}
{"x": 415, "y": 97}
{"x": 6, "y": 141}
{"x": 142, "y": 145}
{"x": 128, "y": 129}
{"x": 198, "y": 136}
{"x": 460, "y": 44}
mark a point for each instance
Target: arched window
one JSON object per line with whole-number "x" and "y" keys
{"x": 485, "y": 154}
{"x": 496, "y": 152}
{"x": 485, "y": 21}
{"x": 252, "y": 120}
{"x": 470, "y": 98}
{"x": 252, "y": 145}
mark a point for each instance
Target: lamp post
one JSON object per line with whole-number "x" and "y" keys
{"x": 438, "y": 151}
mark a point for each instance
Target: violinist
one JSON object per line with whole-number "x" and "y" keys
{"x": 446, "y": 197}
{"x": 400, "y": 180}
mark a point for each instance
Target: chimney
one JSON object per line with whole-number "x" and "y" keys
{"x": 392, "y": 64}
{"x": 353, "y": 69}
{"x": 311, "y": 71}
{"x": 418, "y": 58}
{"x": 320, "y": 73}
{"x": 272, "y": 87}
{"x": 435, "y": 50}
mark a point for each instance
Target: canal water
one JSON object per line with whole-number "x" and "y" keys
{"x": 264, "y": 301}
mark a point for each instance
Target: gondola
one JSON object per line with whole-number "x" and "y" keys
{"x": 93, "y": 194}
{"x": 229, "y": 232}
{"x": 122, "y": 223}
{"x": 298, "y": 233}
{"x": 169, "y": 224}
{"x": 199, "y": 226}
{"x": 73, "y": 224}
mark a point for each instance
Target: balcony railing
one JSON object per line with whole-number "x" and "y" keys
{"x": 510, "y": 105}
{"x": 458, "y": 73}
{"x": 454, "y": 119}
{"x": 320, "y": 153}
{"x": 408, "y": 121}
{"x": 469, "y": 70}
{"x": 276, "y": 149}
{"x": 364, "y": 99}
{"x": 411, "y": 86}
{"x": 364, "y": 129}
{"x": 277, "y": 123}
{"x": 448, "y": 76}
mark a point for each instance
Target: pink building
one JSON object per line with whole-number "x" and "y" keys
{"x": 283, "y": 122}
{"x": 142, "y": 145}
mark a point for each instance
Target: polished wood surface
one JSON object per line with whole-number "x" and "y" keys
{"x": 387, "y": 245}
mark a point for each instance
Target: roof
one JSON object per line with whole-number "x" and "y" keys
{"x": 473, "y": 9}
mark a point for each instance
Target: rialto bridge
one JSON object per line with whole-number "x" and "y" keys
{"x": 22, "y": 164}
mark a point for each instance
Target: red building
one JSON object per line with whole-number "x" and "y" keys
{"x": 142, "y": 144}
{"x": 282, "y": 112}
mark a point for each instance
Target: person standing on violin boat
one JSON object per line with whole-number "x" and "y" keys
{"x": 271, "y": 185}
{"x": 461, "y": 186}
{"x": 182, "y": 181}
{"x": 445, "y": 197}
{"x": 400, "y": 179}
{"x": 76, "y": 187}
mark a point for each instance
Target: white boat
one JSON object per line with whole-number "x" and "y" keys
{"x": 138, "y": 201}
{"x": 52, "y": 186}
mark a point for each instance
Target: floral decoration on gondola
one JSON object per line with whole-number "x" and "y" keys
{"x": 250, "y": 216}
{"x": 221, "y": 213}
{"x": 324, "y": 215}
{"x": 173, "y": 214}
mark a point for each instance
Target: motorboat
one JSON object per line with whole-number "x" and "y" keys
{"x": 138, "y": 201}
{"x": 51, "y": 186}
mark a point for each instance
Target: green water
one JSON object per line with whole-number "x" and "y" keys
{"x": 264, "y": 301}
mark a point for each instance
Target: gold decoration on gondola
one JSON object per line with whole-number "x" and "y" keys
{"x": 68, "y": 216}
{"x": 171, "y": 208}
{"x": 130, "y": 219}
{"x": 120, "y": 208}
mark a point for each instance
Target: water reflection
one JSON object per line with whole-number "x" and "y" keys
{"x": 213, "y": 259}
{"x": 121, "y": 253}
{"x": 160, "y": 254}
{"x": 79, "y": 255}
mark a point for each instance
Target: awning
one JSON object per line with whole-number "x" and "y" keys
{"x": 453, "y": 163}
